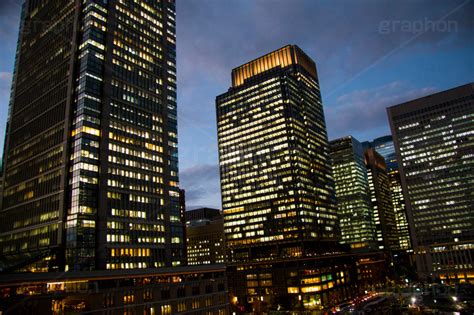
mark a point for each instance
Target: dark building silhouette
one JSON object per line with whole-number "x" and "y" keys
{"x": 182, "y": 214}
{"x": 382, "y": 207}
{"x": 182, "y": 205}
{"x": 434, "y": 141}
{"x": 385, "y": 147}
{"x": 353, "y": 195}
{"x": 203, "y": 214}
{"x": 91, "y": 166}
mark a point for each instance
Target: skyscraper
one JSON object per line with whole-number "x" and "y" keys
{"x": 276, "y": 182}
{"x": 385, "y": 147}
{"x": 381, "y": 199}
{"x": 91, "y": 169}
{"x": 434, "y": 141}
{"x": 399, "y": 209}
{"x": 280, "y": 217}
{"x": 352, "y": 193}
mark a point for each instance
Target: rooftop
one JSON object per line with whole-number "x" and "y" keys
{"x": 285, "y": 56}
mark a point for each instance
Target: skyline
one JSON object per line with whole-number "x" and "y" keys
{"x": 341, "y": 159}
{"x": 374, "y": 69}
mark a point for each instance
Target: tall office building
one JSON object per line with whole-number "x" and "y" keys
{"x": 434, "y": 141}
{"x": 352, "y": 194}
{"x": 276, "y": 182}
{"x": 399, "y": 209}
{"x": 280, "y": 216}
{"x": 381, "y": 199}
{"x": 385, "y": 147}
{"x": 91, "y": 169}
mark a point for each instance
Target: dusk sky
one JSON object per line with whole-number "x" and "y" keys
{"x": 369, "y": 54}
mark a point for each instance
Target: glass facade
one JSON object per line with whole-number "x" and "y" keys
{"x": 352, "y": 194}
{"x": 35, "y": 146}
{"x": 84, "y": 149}
{"x": 276, "y": 181}
{"x": 91, "y": 155}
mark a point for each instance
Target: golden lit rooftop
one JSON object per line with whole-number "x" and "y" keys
{"x": 283, "y": 57}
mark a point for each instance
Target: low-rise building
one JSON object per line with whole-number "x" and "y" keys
{"x": 177, "y": 290}
{"x": 205, "y": 237}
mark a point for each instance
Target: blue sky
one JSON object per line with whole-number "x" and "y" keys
{"x": 369, "y": 54}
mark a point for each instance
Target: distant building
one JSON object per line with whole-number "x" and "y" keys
{"x": 177, "y": 290}
{"x": 399, "y": 208}
{"x": 352, "y": 194}
{"x": 207, "y": 214}
{"x": 182, "y": 205}
{"x": 434, "y": 141}
{"x": 385, "y": 147}
{"x": 382, "y": 207}
{"x": 205, "y": 237}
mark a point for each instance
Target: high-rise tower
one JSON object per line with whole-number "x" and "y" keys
{"x": 91, "y": 169}
{"x": 276, "y": 182}
{"x": 381, "y": 199}
{"x": 434, "y": 141}
{"x": 280, "y": 219}
{"x": 353, "y": 195}
{"x": 385, "y": 147}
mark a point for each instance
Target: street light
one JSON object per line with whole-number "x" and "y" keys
{"x": 455, "y": 299}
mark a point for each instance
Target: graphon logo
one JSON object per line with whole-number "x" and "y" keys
{"x": 417, "y": 26}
